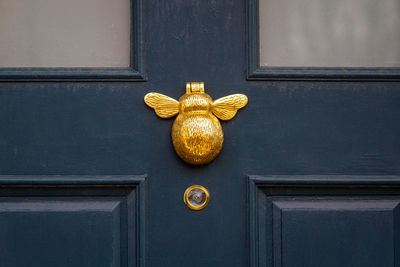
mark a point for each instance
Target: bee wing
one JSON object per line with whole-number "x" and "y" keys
{"x": 226, "y": 107}
{"x": 164, "y": 106}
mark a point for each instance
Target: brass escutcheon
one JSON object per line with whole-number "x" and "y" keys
{"x": 197, "y": 134}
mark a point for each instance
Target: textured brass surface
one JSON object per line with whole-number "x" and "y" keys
{"x": 197, "y": 134}
{"x": 199, "y": 193}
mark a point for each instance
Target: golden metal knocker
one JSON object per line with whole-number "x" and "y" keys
{"x": 197, "y": 134}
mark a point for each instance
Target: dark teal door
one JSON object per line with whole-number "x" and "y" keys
{"x": 309, "y": 173}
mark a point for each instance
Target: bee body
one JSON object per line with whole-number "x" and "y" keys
{"x": 197, "y": 135}
{"x": 197, "y": 139}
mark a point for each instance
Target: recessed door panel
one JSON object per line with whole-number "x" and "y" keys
{"x": 71, "y": 221}
{"x": 51, "y": 232}
{"x": 324, "y": 221}
{"x": 334, "y": 231}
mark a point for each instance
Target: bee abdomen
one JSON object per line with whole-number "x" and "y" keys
{"x": 197, "y": 139}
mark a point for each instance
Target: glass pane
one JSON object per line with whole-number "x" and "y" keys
{"x": 326, "y": 33}
{"x": 64, "y": 33}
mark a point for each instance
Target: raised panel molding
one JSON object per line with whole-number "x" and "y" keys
{"x": 324, "y": 220}
{"x": 72, "y": 220}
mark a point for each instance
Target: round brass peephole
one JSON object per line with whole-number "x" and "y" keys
{"x": 196, "y": 197}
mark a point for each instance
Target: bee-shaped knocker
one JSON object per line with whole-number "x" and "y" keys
{"x": 197, "y": 135}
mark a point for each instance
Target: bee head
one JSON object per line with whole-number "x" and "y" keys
{"x": 195, "y": 100}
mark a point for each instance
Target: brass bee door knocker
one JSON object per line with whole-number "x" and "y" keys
{"x": 197, "y": 135}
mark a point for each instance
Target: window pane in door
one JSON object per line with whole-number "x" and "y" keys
{"x": 64, "y": 33}
{"x": 326, "y": 33}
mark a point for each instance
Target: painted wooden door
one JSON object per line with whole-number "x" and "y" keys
{"x": 308, "y": 174}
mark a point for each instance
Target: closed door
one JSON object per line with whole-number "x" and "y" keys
{"x": 309, "y": 170}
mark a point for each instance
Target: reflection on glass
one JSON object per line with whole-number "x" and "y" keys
{"x": 326, "y": 33}
{"x": 64, "y": 33}
{"x": 197, "y": 197}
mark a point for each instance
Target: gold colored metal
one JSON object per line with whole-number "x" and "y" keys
{"x": 197, "y": 134}
{"x": 196, "y": 193}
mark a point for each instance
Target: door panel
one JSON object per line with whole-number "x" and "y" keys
{"x": 324, "y": 220}
{"x": 72, "y": 221}
{"x": 319, "y": 232}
